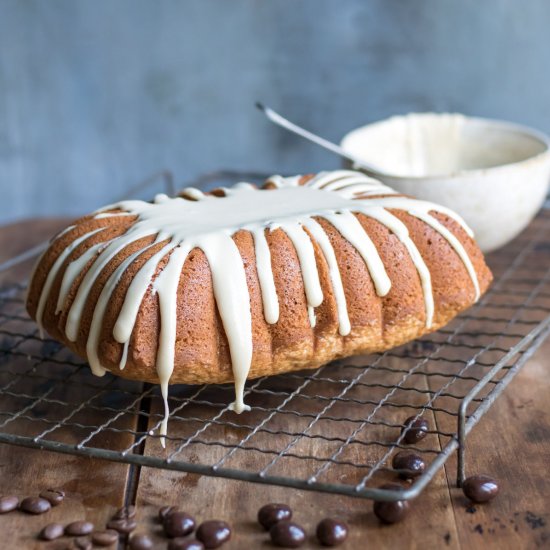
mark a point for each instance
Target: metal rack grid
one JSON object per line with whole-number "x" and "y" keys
{"x": 334, "y": 429}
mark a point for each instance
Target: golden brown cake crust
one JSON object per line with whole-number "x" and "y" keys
{"x": 202, "y": 351}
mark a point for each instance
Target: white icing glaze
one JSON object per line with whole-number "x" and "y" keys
{"x": 421, "y": 145}
{"x": 265, "y": 275}
{"x": 207, "y": 222}
{"x": 53, "y": 272}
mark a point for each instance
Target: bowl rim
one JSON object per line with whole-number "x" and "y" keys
{"x": 505, "y": 125}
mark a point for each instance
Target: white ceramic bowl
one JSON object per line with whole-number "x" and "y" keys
{"x": 495, "y": 174}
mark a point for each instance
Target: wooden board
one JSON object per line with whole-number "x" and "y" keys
{"x": 94, "y": 488}
{"x": 512, "y": 442}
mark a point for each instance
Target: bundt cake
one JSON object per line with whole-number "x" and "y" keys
{"x": 245, "y": 281}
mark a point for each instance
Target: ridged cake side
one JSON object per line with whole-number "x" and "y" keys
{"x": 202, "y": 351}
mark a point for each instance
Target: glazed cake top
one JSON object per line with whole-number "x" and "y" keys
{"x": 208, "y": 221}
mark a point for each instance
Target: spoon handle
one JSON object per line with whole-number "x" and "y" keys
{"x": 318, "y": 140}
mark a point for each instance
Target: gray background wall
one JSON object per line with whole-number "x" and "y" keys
{"x": 96, "y": 95}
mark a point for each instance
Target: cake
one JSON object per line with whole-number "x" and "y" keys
{"x": 252, "y": 281}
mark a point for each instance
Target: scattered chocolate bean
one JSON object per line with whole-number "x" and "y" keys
{"x": 83, "y": 543}
{"x": 126, "y": 512}
{"x": 178, "y": 524}
{"x": 141, "y": 542}
{"x": 7, "y": 504}
{"x": 52, "y": 531}
{"x": 417, "y": 430}
{"x": 166, "y": 510}
{"x": 410, "y": 464}
{"x": 391, "y": 512}
{"x": 331, "y": 532}
{"x": 53, "y": 496}
{"x": 213, "y": 533}
{"x": 105, "y": 538}
{"x": 123, "y": 526}
{"x": 185, "y": 544}
{"x": 35, "y": 505}
{"x": 270, "y": 514}
{"x": 480, "y": 488}
{"x": 79, "y": 528}
{"x": 287, "y": 534}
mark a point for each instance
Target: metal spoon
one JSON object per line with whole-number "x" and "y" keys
{"x": 295, "y": 129}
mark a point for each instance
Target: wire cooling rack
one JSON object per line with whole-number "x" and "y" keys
{"x": 335, "y": 429}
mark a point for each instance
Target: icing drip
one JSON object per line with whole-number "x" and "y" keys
{"x": 265, "y": 275}
{"x": 323, "y": 241}
{"x": 196, "y": 220}
{"x": 348, "y": 225}
{"x": 166, "y": 286}
{"x": 231, "y": 294}
{"x": 53, "y": 272}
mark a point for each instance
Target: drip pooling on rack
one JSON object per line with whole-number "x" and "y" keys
{"x": 208, "y": 222}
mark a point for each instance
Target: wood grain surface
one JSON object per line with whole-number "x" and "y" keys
{"x": 512, "y": 443}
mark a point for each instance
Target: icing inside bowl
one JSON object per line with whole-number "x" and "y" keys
{"x": 430, "y": 144}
